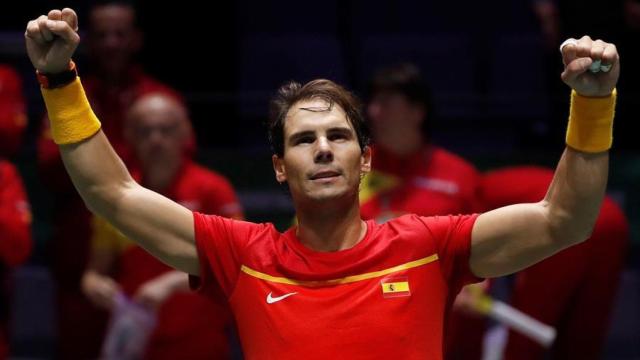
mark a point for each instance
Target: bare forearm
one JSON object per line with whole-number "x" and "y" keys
{"x": 108, "y": 190}
{"x": 97, "y": 173}
{"x": 575, "y": 195}
{"x": 154, "y": 222}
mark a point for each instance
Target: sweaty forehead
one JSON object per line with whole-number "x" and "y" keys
{"x": 315, "y": 114}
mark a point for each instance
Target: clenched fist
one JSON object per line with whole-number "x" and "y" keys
{"x": 51, "y": 40}
{"x": 579, "y": 55}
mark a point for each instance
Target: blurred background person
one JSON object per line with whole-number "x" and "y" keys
{"x": 189, "y": 326}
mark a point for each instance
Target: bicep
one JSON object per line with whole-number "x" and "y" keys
{"x": 161, "y": 226}
{"x": 511, "y": 238}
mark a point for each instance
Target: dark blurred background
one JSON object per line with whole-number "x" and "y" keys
{"x": 493, "y": 68}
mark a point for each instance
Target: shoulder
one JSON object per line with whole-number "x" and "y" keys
{"x": 424, "y": 234}
{"x": 216, "y": 225}
{"x": 430, "y": 226}
{"x": 408, "y": 226}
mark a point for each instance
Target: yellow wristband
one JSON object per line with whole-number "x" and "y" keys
{"x": 590, "y": 126}
{"x": 70, "y": 114}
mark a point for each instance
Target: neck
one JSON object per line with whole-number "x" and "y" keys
{"x": 331, "y": 229}
{"x": 401, "y": 143}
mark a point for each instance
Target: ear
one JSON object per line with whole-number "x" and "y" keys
{"x": 278, "y": 168}
{"x": 365, "y": 160}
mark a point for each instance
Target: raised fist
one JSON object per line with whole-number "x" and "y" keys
{"x": 51, "y": 40}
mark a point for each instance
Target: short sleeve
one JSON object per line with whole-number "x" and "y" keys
{"x": 452, "y": 237}
{"x": 220, "y": 244}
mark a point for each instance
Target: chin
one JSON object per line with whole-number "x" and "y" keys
{"x": 329, "y": 194}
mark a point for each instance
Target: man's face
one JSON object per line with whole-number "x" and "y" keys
{"x": 157, "y": 131}
{"x": 322, "y": 157}
{"x": 113, "y": 37}
{"x": 392, "y": 113}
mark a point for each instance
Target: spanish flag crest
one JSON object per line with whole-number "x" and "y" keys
{"x": 397, "y": 286}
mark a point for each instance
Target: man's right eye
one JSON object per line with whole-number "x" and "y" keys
{"x": 305, "y": 140}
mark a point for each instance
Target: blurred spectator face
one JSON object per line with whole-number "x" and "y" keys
{"x": 113, "y": 38}
{"x": 158, "y": 128}
{"x": 393, "y": 114}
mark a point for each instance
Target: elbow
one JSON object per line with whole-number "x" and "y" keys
{"x": 583, "y": 236}
{"x": 105, "y": 200}
{"x": 571, "y": 232}
{"x": 575, "y": 238}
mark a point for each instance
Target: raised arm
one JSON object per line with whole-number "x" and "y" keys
{"x": 161, "y": 226}
{"x": 509, "y": 239}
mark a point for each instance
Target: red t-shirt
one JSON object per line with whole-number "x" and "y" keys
{"x": 386, "y": 297}
{"x": 430, "y": 182}
{"x": 190, "y": 326}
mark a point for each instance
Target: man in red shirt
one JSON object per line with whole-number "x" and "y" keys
{"x": 573, "y": 291}
{"x": 114, "y": 83}
{"x": 334, "y": 285}
{"x": 15, "y": 237}
{"x": 189, "y": 326}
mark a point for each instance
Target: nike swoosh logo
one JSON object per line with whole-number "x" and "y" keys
{"x": 271, "y": 300}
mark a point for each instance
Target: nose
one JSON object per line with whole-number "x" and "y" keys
{"x": 323, "y": 154}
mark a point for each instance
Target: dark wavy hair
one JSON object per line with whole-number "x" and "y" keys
{"x": 334, "y": 94}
